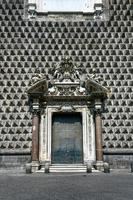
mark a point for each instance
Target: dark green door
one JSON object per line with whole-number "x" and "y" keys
{"x": 67, "y": 144}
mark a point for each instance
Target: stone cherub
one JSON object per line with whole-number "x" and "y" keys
{"x": 37, "y": 77}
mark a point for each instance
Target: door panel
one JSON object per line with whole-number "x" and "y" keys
{"x": 67, "y": 138}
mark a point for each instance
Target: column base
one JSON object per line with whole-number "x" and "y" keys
{"x": 34, "y": 166}
{"x": 28, "y": 168}
{"x": 89, "y": 165}
{"x": 100, "y": 165}
{"x": 45, "y": 165}
{"x": 106, "y": 167}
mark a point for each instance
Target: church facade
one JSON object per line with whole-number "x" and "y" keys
{"x": 66, "y": 85}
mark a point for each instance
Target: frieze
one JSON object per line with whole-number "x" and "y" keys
{"x": 66, "y": 108}
{"x": 64, "y": 102}
{"x": 66, "y": 89}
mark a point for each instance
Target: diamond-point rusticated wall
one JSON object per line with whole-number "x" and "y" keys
{"x": 30, "y": 45}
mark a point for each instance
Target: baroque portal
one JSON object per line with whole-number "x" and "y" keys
{"x": 66, "y": 104}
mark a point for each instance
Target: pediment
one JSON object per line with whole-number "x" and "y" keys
{"x": 96, "y": 88}
{"x": 67, "y": 79}
{"x": 38, "y": 87}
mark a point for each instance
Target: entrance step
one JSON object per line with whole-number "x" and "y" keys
{"x": 67, "y": 168}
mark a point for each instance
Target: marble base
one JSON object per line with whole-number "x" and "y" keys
{"x": 34, "y": 166}
{"x": 100, "y": 165}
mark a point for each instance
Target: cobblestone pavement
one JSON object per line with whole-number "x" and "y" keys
{"x": 19, "y": 186}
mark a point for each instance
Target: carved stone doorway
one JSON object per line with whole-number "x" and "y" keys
{"x": 67, "y": 138}
{"x": 69, "y": 89}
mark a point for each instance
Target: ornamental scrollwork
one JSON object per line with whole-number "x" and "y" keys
{"x": 67, "y": 79}
{"x": 65, "y": 71}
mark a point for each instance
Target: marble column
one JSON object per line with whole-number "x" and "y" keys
{"x": 98, "y": 137}
{"x": 98, "y": 128}
{"x": 35, "y": 139}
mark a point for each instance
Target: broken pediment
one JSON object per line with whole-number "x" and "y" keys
{"x": 67, "y": 79}
{"x": 96, "y": 89}
{"x": 38, "y": 87}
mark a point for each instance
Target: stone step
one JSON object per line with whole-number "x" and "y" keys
{"x": 67, "y": 168}
{"x": 68, "y": 165}
{"x": 63, "y": 170}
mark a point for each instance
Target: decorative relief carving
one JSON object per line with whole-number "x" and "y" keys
{"x": 66, "y": 90}
{"x": 95, "y": 76}
{"x": 67, "y": 79}
{"x": 65, "y": 71}
{"x": 37, "y": 77}
{"x": 66, "y": 108}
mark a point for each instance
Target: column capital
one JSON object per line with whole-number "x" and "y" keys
{"x": 98, "y": 112}
{"x": 98, "y": 107}
{"x": 35, "y": 107}
{"x": 35, "y": 112}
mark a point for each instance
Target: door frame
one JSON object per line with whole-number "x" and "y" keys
{"x": 88, "y": 132}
